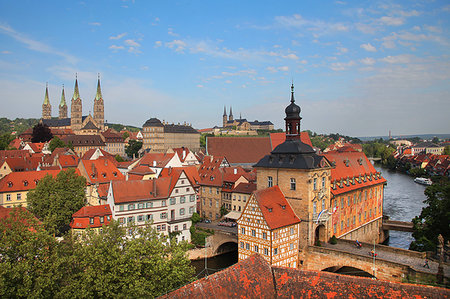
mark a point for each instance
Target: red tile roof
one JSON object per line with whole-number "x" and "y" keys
{"x": 239, "y": 149}
{"x": 255, "y": 278}
{"x": 351, "y": 164}
{"x": 246, "y": 188}
{"x": 14, "y": 154}
{"x": 37, "y": 147}
{"x": 132, "y": 191}
{"x": 190, "y": 171}
{"x": 156, "y": 159}
{"x": 5, "y": 213}
{"x": 67, "y": 161}
{"x": 275, "y": 208}
{"x": 16, "y": 143}
{"x": 179, "y": 152}
{"x": 81, "y": 218}
{"x": 20, "y": 164}
{"x": 278, "y": 138}
{"x": 100, "y": 171}
{"x": 102, "y": 190}
{"x": 24, "y": 180}
{"x": 88, "y": 155}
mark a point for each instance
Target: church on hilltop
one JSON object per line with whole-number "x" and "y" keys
{"x": 79, "y": 124}
{"x": 241, "y": 124}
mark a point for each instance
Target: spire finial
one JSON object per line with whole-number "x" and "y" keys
{"x": 98, "y": 76}
{"x": 292, "y": 93}
{"x": 63, "y": 98}
{"x": 46, "y": 99}
{"x": 76, "y": 92}
{"x": 76, "y": 76}
{"x": 98, "y": 96}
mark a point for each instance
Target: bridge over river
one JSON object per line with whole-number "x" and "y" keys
{"x": 391, "y": 263}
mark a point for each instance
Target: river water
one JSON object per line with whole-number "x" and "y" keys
{"x": 403, "y": 200}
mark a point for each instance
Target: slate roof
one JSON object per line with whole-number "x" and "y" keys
{"x": 84, "y": 140}
{"x": 180, "y": 129}
{"x": 56, "y": 122}
{"x": 261, "y": 123}
{"x": 238, "y": 150}
{"x": 275, "y": 208}
{"x": 293, "y": 154}
{"x": 90, "y": 126}
{"x": 153, "y": 122}
{"x": 255, "y": 278}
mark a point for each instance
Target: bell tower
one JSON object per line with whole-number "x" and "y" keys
{"x": 224, "y": 117}
{"x": 292, "y": 119}
{"x": 99, "y": 107}
{"x": 76, "y": 109}
{"x": 46, "y": 107}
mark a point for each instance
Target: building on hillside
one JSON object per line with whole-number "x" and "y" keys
{"x": 166, "y": 203}
{"x": 94, "y": 217}
{"x": 84, "y": 143}
{"x": 269, "y": 226}
{"x": 341, "y": 143}
{"x": 159, "y": 137}
{"x": 242, "y": 124}
{"x": 14, "y": 187}
{"x": 356, "y": 205}
{"x": 78, "y": 123}
{"x": 400, "y": 142}
{"x": 98, "y": 172}
{"x": 115, "y": 145}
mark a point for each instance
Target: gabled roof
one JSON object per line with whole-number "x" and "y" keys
{"x": 141, "y": 170}
{"x": 138, "y": 190}
{"x": 20, "y": 164}
{"x": 112, "y": 136}
{"x": 246, "y": 188}
{"x": 159, "y": 160}
{"x": 179, "y": 151}
{"x": 275, "y": 208}
{"x": 16, "y": 143}
{"x": 89, "y": 126}
{"x": 81, "y": 218}
{"x": 239, "y": 149}
{"x": 5, "y": 213}
{"x": 190, "y": 171}
{"x": 100, "y": 171}
{"x": 14, "y": 154}
{"x": 37, "y": 146}
{"x": 67, "y": 161}
{"x": 88, "y": 155}
{"x": 24, "y": 180}
{"x": 351, "y": 164}
{"x": 84, "y": 140}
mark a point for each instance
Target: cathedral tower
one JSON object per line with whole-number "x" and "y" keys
{"x": 99, "y": 107}
{"x": 224, "y": 117}
{"x": 46, "y": 107}
{"x": 231, "y": 115}
{"x": 63, "y": 106}
{"x": 76, "y": 109}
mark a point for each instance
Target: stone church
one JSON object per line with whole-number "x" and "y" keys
{"x": 78, "y": 123}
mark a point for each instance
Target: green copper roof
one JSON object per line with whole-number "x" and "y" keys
{"x": 98, "y": 96}
{"x": 46, "y": 100}
{"x": 63, "y": 99}
{"x": 76, "y": 93}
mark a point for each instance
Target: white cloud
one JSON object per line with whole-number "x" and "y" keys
{"x": 200, "y": 86}
{"x": 271, "y": 69}
{"x": 432, "y": 29}
{"x": 342, "y": 50}
{"x": 95, "y": 24}
{"x": 228, "y": 81}
{"x": 5, "y": 52}
{"x": 284, "y": 68}
{"x": 411, "y": 13}
{"x": 365, "y": 28}
{"x": 318, "y": 27}
{"x": 367, "y": 61}
{"x": 115, "y": 47}
{"x": 170, "y": 32}
{"x": 132, "y": 43}
{"x": 35, "y": 45}
{"x": 158, "y": 44}
{"x": 177, "y": 44}
{"x": 404, "y": 58}
{"x": 291, "y": 56}
{"x": 368, "y": 47}
{"x": 391, "y": 21}
{"x": 119, "y": 36}
{"x": 341, "y": 66}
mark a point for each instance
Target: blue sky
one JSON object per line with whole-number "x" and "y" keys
{"x": 360, "y": 68}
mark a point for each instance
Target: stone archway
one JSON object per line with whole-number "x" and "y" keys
{"x": 348, "y": 270}
{"x": 319, "y": 235}
{"x": 227, "y": 247}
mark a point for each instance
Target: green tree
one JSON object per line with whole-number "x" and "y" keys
{"x": 133, "y": 148}
{"x": 56, "y": 143}
{"x": 55, "y": 200}
{"x": 119, "y": 158}
{"x": 434, "y": 218}
{"x": 195, "y": 218}
{"x": 435, "y": 140}
{"x": 5, "y": 140}
{"x": 133, "y": 262}
{"x": 125, "y": 135}
{"x": 32, "y": 263}
{"x": 41, "y": 133}
{"x": 447, "y": 150}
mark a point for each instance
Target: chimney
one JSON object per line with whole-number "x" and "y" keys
{"x": 235, "y": 171}
{"x": 184, "y": 153}
{"x": 154, "y": 163}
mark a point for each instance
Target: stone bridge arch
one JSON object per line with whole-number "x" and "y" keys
{"x": 222, "y": 242}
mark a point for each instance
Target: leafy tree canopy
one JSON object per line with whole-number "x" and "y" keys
{"x": 133, "y": 148}
{"x": 119, "y": 158}
{"x": 56, "y": 143}
{"x": 5, "y": 140}
{"x": 55, "y": 200}
{"x": 41, "y": 133}
{"x": 434, "y": 218}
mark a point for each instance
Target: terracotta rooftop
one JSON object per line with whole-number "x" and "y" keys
{"x": 255, "y": 278}
{"x": 156, "y": 159}
{"x": 246, "y": 188}
{"x": 100, "y": 171}
{"x": 190, "y": 171}
{"x": 239, "y": 150}
{"x": 23, "y": 180}
{"x": 275, "y": 208}
{"x": 278, "y": 138}
{"x": 137, "y": 190}
{"x": 14, "y": 154}
{"x": 82, "y": 218}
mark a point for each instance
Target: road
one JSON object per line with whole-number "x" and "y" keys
{"x": 215, "y": 226}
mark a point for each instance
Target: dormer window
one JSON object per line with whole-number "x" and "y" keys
{"x": 104, "y": 174}
{"x": 10, "y": 184}
{"x": 283, "y": 207}
{"x": 270, "y": 209}
{"x": 25, "y": 183}
{"x": 115, "y": 173}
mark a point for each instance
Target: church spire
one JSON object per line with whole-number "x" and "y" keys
{"x": 46, "y": 100}
{"x": 231, "y": 114}
{"x": 224, "y": 111}
{"x": 63, "y": 98}
{"x": 76, "y": 92}
{"x": 98, "y": 96}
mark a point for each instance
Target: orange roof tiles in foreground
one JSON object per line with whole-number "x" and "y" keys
{"x": 255, "y": 278}
{"x": 239, "y": 149}
{"x": 132, "y": 191}
{"x": 100, "y": 171}
{"x": 275, "y": 208}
